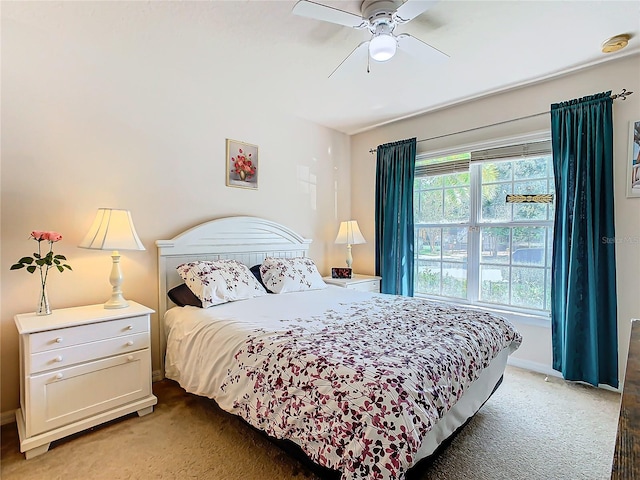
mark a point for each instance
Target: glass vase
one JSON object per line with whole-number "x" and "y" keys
{"x": 43, "y": 302}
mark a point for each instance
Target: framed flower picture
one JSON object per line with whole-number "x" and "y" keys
{"x": 633, "y": 162}
{"x": 242, "y": 164}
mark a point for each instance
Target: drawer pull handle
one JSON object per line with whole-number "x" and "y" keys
{"x": 130, "y": 358}
{"x": 59, "y": 340}
{"x": 58, "y": 358}
{"x": 129, "y": 327}
{"x": 59, "y": 376}
{"x": 129, "y": 343}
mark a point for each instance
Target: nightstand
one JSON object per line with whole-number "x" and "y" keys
{"x": 365, "y": 283}
{"x": 80, "y": 367}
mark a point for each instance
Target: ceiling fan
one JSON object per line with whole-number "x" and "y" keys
{"x": 380, "y": 17}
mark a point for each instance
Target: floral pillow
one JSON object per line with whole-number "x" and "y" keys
{"x": 220, "y": 281}
{"x": 282, "y": 275}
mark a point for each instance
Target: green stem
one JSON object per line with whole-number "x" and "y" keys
{"x": 46, "y": 272}
{"x": 43, "y": 276}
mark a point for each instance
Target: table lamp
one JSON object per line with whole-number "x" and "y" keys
{"x": 350, "y": 234}
{"x": 113, "y": 230}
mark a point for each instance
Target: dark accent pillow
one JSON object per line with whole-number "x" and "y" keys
{"x": 256, "y": 273}
{"x": 182, "y": 295}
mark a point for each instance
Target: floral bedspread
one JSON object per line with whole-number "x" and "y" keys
{"x": 359, "y": 393}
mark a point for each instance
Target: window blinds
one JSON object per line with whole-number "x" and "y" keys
{"x": 535, "y": 149}
{"x": 442, "y": 168}
{"x": 522, "y": 150}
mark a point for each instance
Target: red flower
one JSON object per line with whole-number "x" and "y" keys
{"x": 242, "y": 163}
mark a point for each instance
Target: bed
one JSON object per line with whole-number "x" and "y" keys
{"x": 366, "y": 384}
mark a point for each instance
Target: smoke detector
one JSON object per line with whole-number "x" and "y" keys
{"x": 615, "y": 43}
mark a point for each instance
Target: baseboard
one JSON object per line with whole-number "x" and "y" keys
{"x": 547, "y": 370}
{"x": 7, "y": 417}
{"x": 156, "y": 376}
{"x": 533, "y": 366}
{"x": 610, "y": 388}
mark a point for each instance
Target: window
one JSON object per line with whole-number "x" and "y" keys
{"x": 471, "y": 246}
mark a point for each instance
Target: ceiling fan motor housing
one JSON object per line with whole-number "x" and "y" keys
{"x": 380, "y": 12}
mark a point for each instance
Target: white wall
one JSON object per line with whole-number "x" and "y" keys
{"x": 615, "y": 75}
{"x": 92, "y": 120}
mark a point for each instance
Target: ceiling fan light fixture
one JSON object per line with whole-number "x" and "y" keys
{"x": 382, "y": 47}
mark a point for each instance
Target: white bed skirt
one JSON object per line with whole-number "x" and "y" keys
{"x": 470, "y": 402}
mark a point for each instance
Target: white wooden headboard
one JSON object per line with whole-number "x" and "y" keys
{"x": 246, "y": 239}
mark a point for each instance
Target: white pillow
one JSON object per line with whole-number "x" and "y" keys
{"x": 282, "y": 275}
{"x": 220, "y": 281}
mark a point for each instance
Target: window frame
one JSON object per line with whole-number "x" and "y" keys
{"x": 475, "y": 224}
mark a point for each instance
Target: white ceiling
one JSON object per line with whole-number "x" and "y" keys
{"x": 260, "y": 47}
{"x": 492, "y": 45}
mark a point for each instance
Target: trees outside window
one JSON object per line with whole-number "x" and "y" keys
{"x": 474, "y": 247}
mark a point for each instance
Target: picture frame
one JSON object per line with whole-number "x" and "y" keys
{"x": 242, "y": 164}
{"x": 633, "y": 161}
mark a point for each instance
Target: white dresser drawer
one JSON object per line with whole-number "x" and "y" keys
{"x": 372, "y": 286}
{"x": 363, "y": 283}
{"x": 78, "y": 392}
{"x": 64, "y": 357}
{"x": 65, "y": 337}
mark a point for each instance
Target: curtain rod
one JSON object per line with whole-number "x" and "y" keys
{"x": 622, "y": 95}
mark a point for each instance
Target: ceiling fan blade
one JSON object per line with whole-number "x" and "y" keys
{"x": 350, "y": 64}
{"x": 418, "y": 49}
{"x": 412, "y": 8}
{"x": 305, "y": 8}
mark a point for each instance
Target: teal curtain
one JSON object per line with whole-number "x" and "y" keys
{"x": 394, "y": 216}
{"x": 583, "y": 283}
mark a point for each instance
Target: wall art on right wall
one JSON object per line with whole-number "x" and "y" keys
{"x": 633, "y": 165}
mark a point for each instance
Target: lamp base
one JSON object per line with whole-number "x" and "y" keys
{"x": 349, "y": 256}
{"x": 116, "y": 300}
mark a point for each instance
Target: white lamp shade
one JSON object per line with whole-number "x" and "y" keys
{"x": 112, "y": 229}
{"x": 349, "y": 233}
{"x": 382, "y": 47}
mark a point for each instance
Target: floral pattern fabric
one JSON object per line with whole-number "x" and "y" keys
{"x": 359, "y": 393}
{"x": 220, "y": 281}
{"x": 283, "y": 275}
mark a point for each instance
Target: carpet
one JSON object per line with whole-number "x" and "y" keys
{"x": 530, "y": 429}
